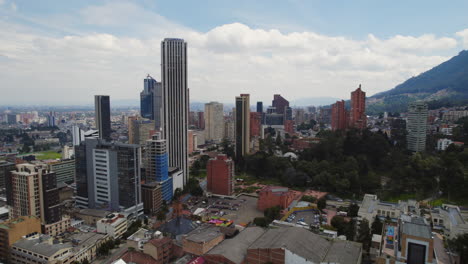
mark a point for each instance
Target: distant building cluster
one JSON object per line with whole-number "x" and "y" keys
{"x": 342, "y": 119}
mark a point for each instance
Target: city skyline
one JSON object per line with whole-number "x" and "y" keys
{"x": 95, "y": 53}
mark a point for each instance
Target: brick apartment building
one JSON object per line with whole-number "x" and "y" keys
{"x": 220, "y": 175}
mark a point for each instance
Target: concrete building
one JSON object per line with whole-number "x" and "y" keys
{"x": 283, "y": 245}
{"x": 299, "y": 116}
{"x": 255, "y": 124}
{"x": 414, "y": 243}
{"x": 339, "y": 116}
{"x": 5, "y": 168}
{"x": 270, "y": 196}
{"x": 450, "y": 220}
{"x": 214, "y": 122}
{"x": 64, "y": 170}
{"x": 293, "y": 245}
{"x": 56, "y": 228}
{"x": 41, "y": 249}
{"x": 202, "y": 239}
{"x": 45, "y": 249}
{"x": 102, "y": 116}
{"x": 115, "y": 225}
{"x": 234, "y": 250}
{"x": 90, "y": 216}
{"x": 175, "y": 102}
{"x": 357, "y": 117}
{"x": 157, "y": 167}
{"x": 192, "y": 142}
{"x": 68, "y": 152}
{"x": 220, "y": 175}
{"x": 140, "y": 130}
{"x": 108, "y": 176}
{"x": 151, "y": 196}
{"x": 280, "y": 104}
{"x": 13, "y": 230}
{"x": 160, "y": 249}
{"x": 34, "y": 192}
{"x": 229, "y": 129}
{"x": 371, "y": 207}
{"x": 443, "y": 143}
{"x": 242, "y": 125}
{"x": 416, "y": 126}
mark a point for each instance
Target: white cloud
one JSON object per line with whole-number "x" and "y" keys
{"x": 13, "y": 7}
{"x": 464, "y": 36}
{"x": 223, "y": 62}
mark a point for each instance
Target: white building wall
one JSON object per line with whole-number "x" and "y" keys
{"x": 101, "y": 170}
{"x": 177, "y": 180}
{"x": 292, "y": 258}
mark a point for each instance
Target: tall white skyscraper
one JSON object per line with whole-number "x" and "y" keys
{"x": 175, "y": 102}
{"x": 214, "y": 121}
{"x": 416, "y": 126}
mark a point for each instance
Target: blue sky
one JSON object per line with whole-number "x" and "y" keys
{"x": 297, "y": 48}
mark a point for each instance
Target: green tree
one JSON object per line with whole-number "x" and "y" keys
{"x": 261, "y": 221}
{"x": 322, "y": 203}
{"x": 353, "y": 210}
{"x": 364, "y": 235}
{"x": 272, "y": 213}
{"x": 460, "y": 245}
{"x": 377, "y": 226}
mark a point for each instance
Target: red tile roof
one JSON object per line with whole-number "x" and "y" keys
{"x": 138, "y": 258}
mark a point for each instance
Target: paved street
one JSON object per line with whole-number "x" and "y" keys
{"x": 114, "y": 255}
{"x": 442, "y": 256}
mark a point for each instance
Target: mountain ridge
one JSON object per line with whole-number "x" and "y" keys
{"x": 444, "y": 85}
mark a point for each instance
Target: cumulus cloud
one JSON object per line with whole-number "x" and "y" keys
{"x": 223, "y": 62}
{"x": 464, "y": 36}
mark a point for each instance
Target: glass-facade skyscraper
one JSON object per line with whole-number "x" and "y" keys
{"x": 150, "y": 101}
{"x": 102, "y": 116}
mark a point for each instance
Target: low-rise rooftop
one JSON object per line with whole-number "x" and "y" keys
{"x": 204, "y": 234}
{"x": 235, "y": 248}
{"x": 42, "y": 245}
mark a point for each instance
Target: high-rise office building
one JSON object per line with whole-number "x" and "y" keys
{"x": 220, "y": 175}
{"x": 140, "y": 130}
{"x": 339, "y": 117}
{"x": 259, "y": 107}
{"x": 175, "y": 102}
{"x": 299, "y": 116}
{"x": 34, "y": 192}
{"x": 64, "y": 170}
{"x": 358, "y": 118}
{"x": 416, "y": 126}
{"x": 200, "y": 120}
{"x": 108, "y": 176}
{"x": 5, "y": 168}
{"x": 157, "y": 167}
{"x": 242, "y": 119}
{"x": 51, "y": 119}
{"x": 280, "y": 104}
{"x": 255, "y": 124}
{"x": 102, "y": 119}
{"x": 151, "y": 101}
{"x": 214, "y": 122}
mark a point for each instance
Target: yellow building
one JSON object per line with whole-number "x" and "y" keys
{"x": 14, "y": 229}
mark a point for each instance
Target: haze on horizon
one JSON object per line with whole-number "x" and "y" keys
{"x": 62, "y": 52}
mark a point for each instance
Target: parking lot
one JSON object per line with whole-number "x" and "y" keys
{"x": 241, "y": 210}
{"x": 306, "y": 218}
